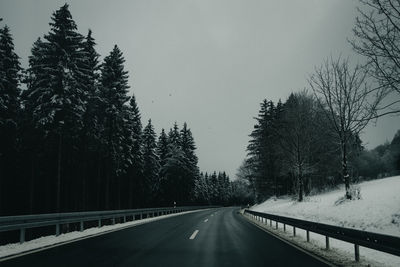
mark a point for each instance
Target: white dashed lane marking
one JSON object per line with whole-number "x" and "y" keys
{"x": 193, "y": 236}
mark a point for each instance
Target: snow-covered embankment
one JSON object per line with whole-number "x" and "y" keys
{"x": 378, "y": 210}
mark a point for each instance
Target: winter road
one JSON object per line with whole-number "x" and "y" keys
{"x": 219, "y": 237}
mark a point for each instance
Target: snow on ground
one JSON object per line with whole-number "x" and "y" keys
{"x": 47, "y": 241}
{"x": 378, "y": 210}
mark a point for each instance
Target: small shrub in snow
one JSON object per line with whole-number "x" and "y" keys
{"x": 396, "y": 219}
{"x": 355, "y": 192}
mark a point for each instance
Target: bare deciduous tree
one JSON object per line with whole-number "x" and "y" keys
{"x": 377, "y": 32}
{"x": 349, "y": 103}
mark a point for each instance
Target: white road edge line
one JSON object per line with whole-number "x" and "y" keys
{"x": 193, "y": 236}
{"x": 206, "y": 220}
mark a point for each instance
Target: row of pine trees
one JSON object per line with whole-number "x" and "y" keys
{"x": 73, "y": 139}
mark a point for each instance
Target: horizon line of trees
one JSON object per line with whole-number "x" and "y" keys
{"x": 73, "y": 139}
{"x": 311, "y": 141}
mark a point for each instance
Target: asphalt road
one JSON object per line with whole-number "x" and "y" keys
{"x": 224, "y": 238}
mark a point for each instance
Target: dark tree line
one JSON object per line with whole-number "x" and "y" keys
{"x": 382, "y": 161}
{"x": 292, "y": 150}
{"x": 217, "y": 189}
{"x": 73, "y": 139}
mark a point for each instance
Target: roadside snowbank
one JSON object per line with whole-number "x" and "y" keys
{"x": 377, "y": 211}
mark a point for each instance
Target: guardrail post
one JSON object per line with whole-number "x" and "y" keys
{"x": 276, "y": 225}
{"x": 357, "y": 252}
{"x": 124, "y": 219}
{"x": 22, "y": 235}
{"x": 113, "y": 221}
{"x": 327, "y": 242}
{"x": 81, "y": 226}
{"x": 294, "y": 231}
{"x": 99, "y": 223}
{"x": 308, "y": 236}
{"x": 270, "y": 223}
{"x": 57, "y": 229}
{"x": 284, "y": 227}
{"x": 140, "y": 216}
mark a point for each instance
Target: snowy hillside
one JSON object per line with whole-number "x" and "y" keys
{"x": 377, "y": 211}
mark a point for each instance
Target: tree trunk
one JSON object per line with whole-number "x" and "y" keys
{"x": 59, "y": 172}
{"x": 85, "y": 173}
{"x": 2, "y": 178}
{"x": 130, "y": 191}
{"x": 119, "y": 188}
{"x": 83, "y": 204}
{"x": 301, "y": 186}
{"x": 107, "y": 189}
{"x": 299, "y": 162}
{"x": 32, "y": 186}
{"x": 98, "y": 181}
{"x": 345, "y": 173}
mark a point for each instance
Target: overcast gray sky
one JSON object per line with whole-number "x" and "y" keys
{"x": 207, "y": 62}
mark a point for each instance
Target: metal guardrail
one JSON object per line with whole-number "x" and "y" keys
{"x": 380, "y": 242}
{"x": 23, "y": 222}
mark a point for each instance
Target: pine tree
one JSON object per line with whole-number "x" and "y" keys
{"x": 32, "y": 137}
{"x": 90, "y": 134}
{"x": 188, "y": 148}
{"x": 261, "y": 152}
{"x": 151, "y": 165}
{"x": 9, "y": 80}
{"x": 174, "y": 137}
{"x": 63, "y": 92}
{"x": 162, "y": 148}
{"x": 56, "y": 96}
{"x": 175, "y": 170}
{"x": 162, "y": 152}
{"x": 113, "y": 95}
{"x": 135, "y": 156}
{"x": 9, "y": 111}
{"x": 213, "y": 182}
